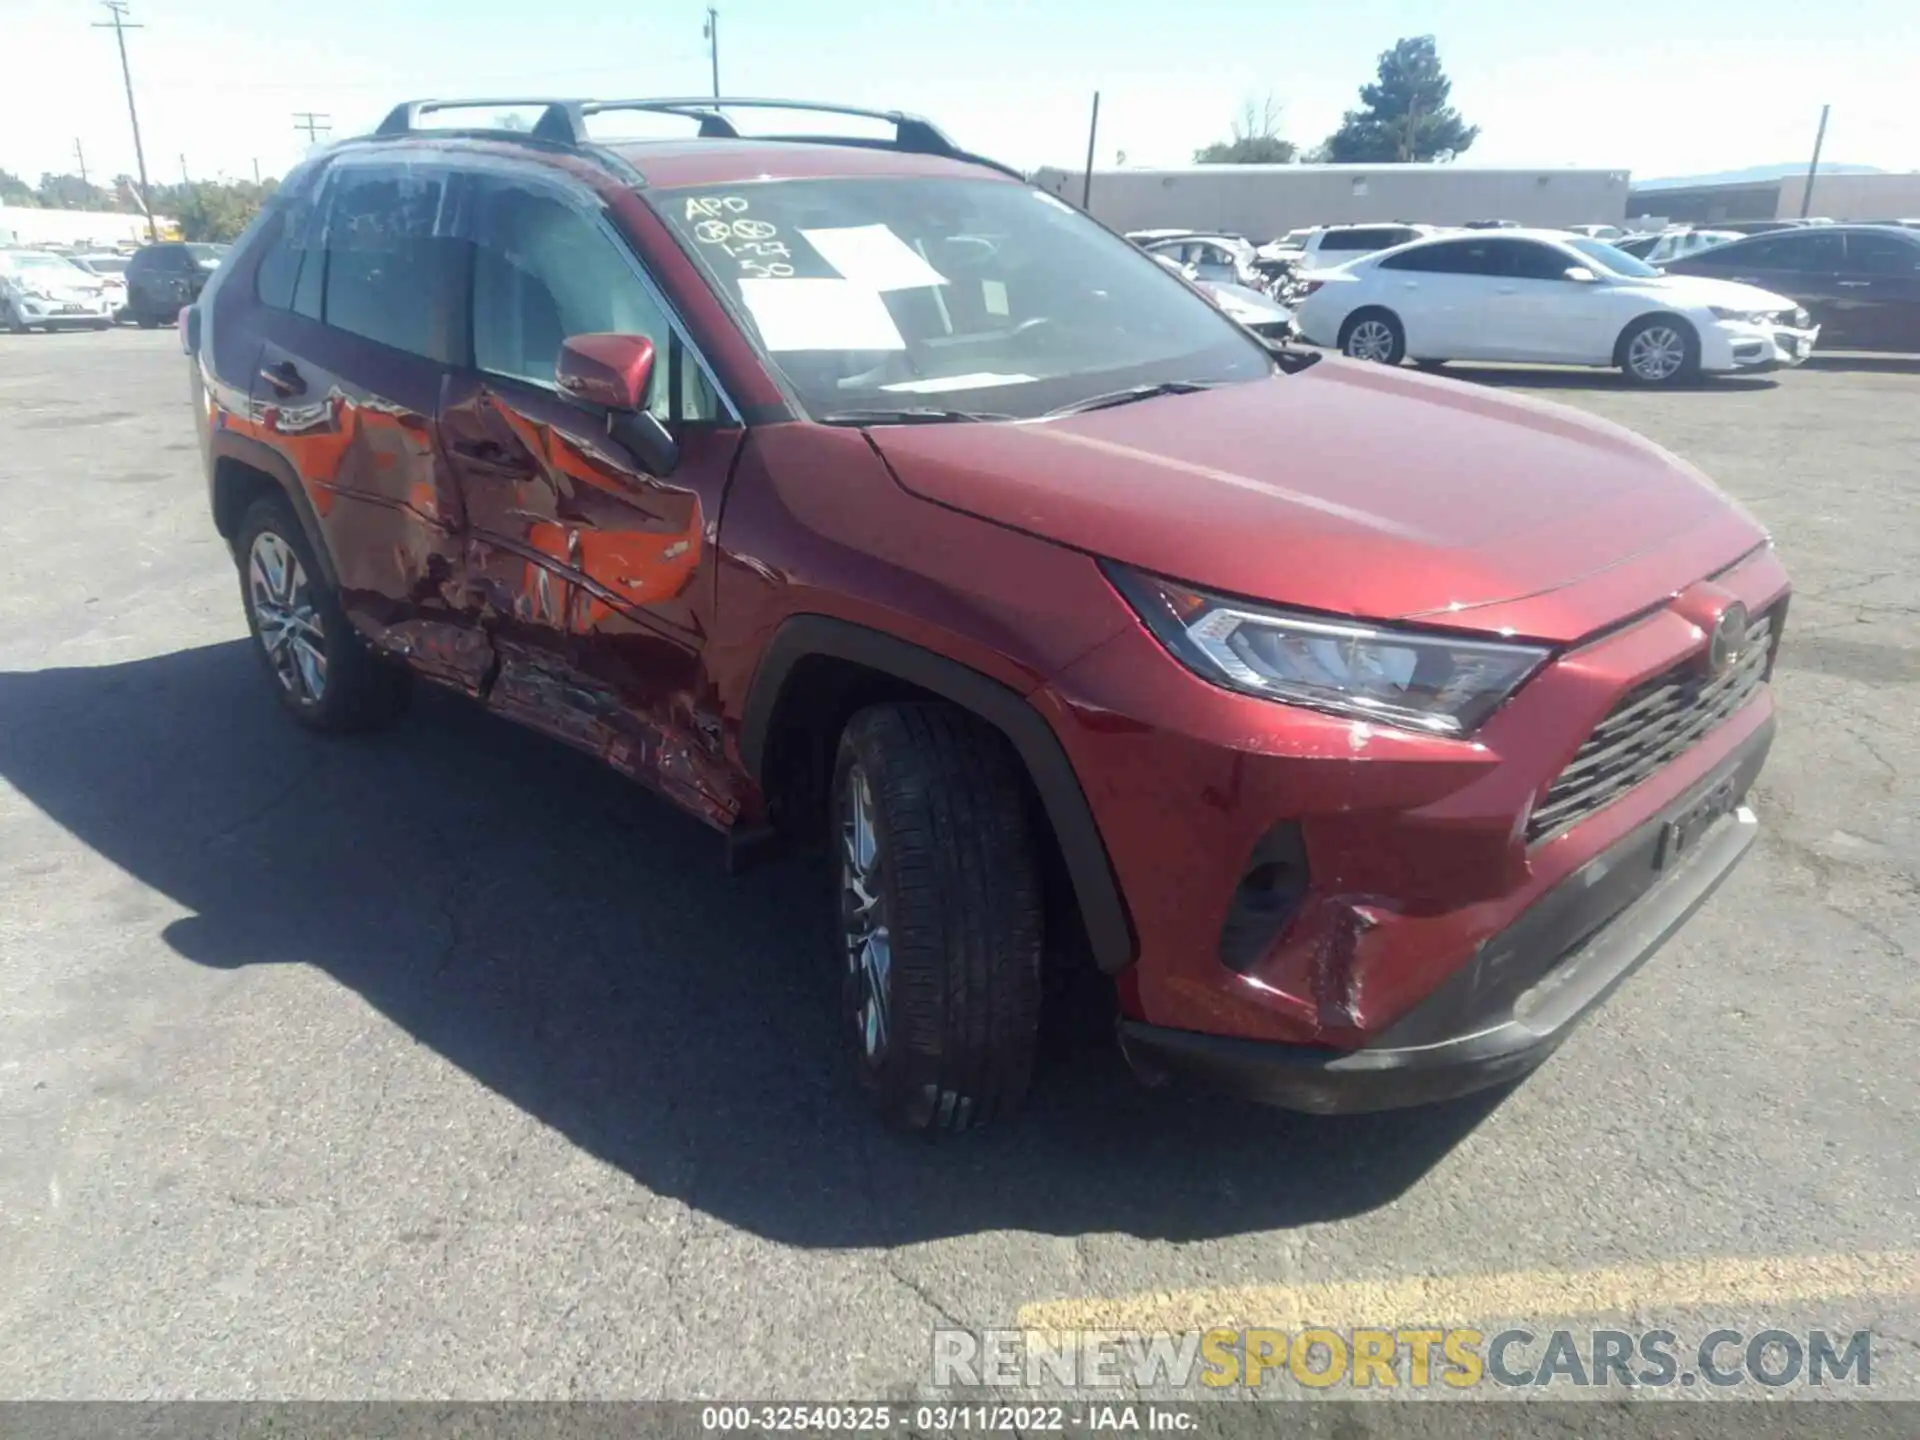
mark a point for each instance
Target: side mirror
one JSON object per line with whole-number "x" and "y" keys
{"x": 614, "y": 374}
{"x": 1581, "y": 275}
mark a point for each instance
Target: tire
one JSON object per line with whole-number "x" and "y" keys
{"x": 1374, "y": 334}
{"x": 146, "y": 322}
{"x": 103, "y": 324}
{"x": 15, "y": 325}
{"x": 1659, "y": 350}
{"x": 944, "y": 1015}
{"x": 349, "y": 688}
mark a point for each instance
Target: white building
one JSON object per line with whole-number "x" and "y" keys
{"x": 104, "y": 229}
{"x": 1264, "y": 201}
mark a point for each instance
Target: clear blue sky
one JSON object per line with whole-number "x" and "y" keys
{"x": 1658, "y": 88}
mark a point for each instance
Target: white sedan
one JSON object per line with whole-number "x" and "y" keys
{"x": 1543, "y": 296}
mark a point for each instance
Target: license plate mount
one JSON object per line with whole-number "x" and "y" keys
{"x": 1681, "y": 833}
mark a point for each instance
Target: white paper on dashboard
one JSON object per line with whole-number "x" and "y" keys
{"x": 800, "y": 314}
{"x": 873, "y": 256}
{"x": 976, "y": 380}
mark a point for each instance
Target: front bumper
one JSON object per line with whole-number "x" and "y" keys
{"x": 1522, "y": 993}
{"x": 86, "y": 311}
{"x": 1733, "y": 345}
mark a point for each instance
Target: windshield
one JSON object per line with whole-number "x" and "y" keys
{"x": 1612, "y": 257}
{"x": 978, "y": 295}
{"x": 205, "y": 253}
{"x": 43, "y": 263}
{"x": 105, "y": 264}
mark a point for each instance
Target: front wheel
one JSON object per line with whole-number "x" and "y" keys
{"x": 1373, "y": 335}
{"x": 322, "y": 671}
{"x": 15, "y": 325}
{"x": 1659, "y": 350}
{"x": 940, "y": 915}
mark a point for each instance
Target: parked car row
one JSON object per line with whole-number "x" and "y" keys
{"x": 50, "y": 290}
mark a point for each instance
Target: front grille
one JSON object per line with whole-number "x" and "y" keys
{"x": 1652, "y": 725}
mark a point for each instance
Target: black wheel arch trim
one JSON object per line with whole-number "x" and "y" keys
{"x": 1102, "y": 910}
{"x": 261, "y": 457}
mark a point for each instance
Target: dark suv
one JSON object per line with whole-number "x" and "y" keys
{"x": 1364, "y": 729}
{"x": 165, "y": 276}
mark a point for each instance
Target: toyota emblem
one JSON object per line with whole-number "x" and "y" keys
{"x": 1729, "y": 640}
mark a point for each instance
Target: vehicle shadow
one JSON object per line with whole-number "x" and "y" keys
{"x": 1545, "y": 378}
{"x": 574, "y": 945}
{"x": 1865, "y": 363}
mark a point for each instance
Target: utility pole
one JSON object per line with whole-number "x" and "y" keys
{"x": 311, "y": 123}
{"x": 256, "y": 170}
{"x": 119, "y": 24}
{"x": 80, "y": 156}
{"x": 1093, "y": 134}
{"x": 712, "y": 32}
{"x": 1819, "y": 139}
{"x": 185, "y": 179}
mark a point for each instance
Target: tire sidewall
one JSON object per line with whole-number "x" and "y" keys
{"x": 276, "y": 517}
{"x": 1386, "y": 317}
{"x": 1689, "y": 370}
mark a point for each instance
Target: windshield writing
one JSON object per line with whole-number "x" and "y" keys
{"x": 994, "y": 299}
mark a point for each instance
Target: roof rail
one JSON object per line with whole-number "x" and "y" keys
{"x": 563, "y": 122}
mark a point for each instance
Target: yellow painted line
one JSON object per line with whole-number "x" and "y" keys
{"x": 1464, "y": 1299}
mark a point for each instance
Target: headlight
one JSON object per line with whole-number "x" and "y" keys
{"x": 1429, "y": 682}
{"x": 1745, "y": 317}
{"x": 1801, "y": 319}
{"x": 34, "y": 292}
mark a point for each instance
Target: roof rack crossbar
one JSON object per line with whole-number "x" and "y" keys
{"x": 563, "y": 121}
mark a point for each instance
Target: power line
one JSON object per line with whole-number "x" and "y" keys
{"x": 119, "y": 24}
{"x": 313, "y": 124}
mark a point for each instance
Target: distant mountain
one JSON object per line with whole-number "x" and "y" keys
{"x": 1754, "y": 175}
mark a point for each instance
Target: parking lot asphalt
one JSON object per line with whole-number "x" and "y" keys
{"x": 444, "y": 1064}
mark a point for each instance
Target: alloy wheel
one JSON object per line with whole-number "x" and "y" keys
{"x": 289, "y": 625}
{"x": 1370, "y": 340}
{"x": 1657, "y": 353}
{"x": 869, "y": 944}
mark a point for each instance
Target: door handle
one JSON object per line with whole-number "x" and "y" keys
{"x": 284, "y": 378}
{"x": 1855, "y": 284}
{"x": 1508, "y": 290}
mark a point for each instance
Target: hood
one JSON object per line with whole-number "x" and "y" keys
{"x": 1354, "y": 489}
{"x": 1704, "y": 290}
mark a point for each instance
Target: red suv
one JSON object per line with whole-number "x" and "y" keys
{"x": 1365, "y": 729}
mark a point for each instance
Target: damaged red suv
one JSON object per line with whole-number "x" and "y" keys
{"x": 1365, "y": 729}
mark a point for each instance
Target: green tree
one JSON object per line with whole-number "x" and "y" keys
{"x": 211, "y": 209}
{"x": 70, "y": 192}
{"x": 15, "y": 191}
{"x": 1405, "y": 115}
{"x": 1256, "y": 138}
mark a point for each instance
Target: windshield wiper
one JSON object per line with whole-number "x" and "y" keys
{"x": 907, "y": 415}
{"x": 1129, "y": 395}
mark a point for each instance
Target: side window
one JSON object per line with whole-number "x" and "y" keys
{"x": 1881, "y": 255}
{"x": 278, "y": 280}
{"x": 1456, "y": 257}
{"x": 392, "y": 271}
{"x": 543, "y": 271}
{"x": 1808, "y": 254}
{"x": 1720, "y": 257}
{"x": 1536, "y": 262}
